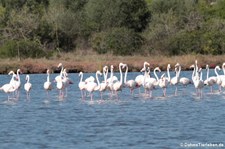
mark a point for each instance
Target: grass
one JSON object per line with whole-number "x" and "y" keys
{"x": 91, "y": 62}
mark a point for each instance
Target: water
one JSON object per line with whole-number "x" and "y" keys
{"x": 129, "y": 122}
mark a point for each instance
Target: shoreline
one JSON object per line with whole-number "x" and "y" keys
{"x": 92, "y": 63}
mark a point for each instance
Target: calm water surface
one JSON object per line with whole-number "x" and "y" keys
{"x": 129, "y": 122}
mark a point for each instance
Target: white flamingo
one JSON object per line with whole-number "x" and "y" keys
{"x": 103, "y": 86}
{"x": 131, "y": 84}
{"x": 27, "y": 86}
{"x": 8, "y": 88}
{"x": 183, "y": 80}
{"x": 117, "y": 86}
{"x": 48, "y": 85}
{"x": 150, "y": 83}
{"x": 199, "y": 83}
{"x": 210, "y": 81}
{"x": 18, "y": 83}
{"x": 59, "y": 81}
{"x": 82, "y": 85}
{"x": 91, "y": 86}
{"x": 140, "y": 78}
{"x": 175, "y": 80}
{"x": 164, "y": 81}
{"x": 219, "y": 78}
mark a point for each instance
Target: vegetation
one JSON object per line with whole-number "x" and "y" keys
{"x": 45, "y": 28}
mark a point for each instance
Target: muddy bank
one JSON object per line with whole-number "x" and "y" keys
{"x": 92, "y": 63}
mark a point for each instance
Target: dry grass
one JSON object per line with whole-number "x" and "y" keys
{"x": 90, "y": 62}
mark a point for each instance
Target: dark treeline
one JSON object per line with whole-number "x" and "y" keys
{"x": 41, "y": 28}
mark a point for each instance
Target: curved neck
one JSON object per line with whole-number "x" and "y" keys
{"x": 207, "y": 73}
{"x": 48, "y": 77}
{"x": 157, "y": 78}
{"x": 105, "y": 76}
{"x": 18, "y": 75}
{"x": 125, "y": 77}
{"x": 121, "y": 75}
{"x": 111, "y": 76}
{"x": 196, "y": 70}
{"x": 61, "y": 72}
{"x": 223, "y": 69}
{"x": 193, "y": 74}
{"x": 216, "y": 72}
{"x": 97, "y": 78}
{"x": 81, "y": 77}
{"x": 178, "y": 73}
{"x": 168, "y": 72}
{"x": 28, "y": 79}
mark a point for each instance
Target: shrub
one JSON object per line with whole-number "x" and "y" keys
{"x": 22, "y": 49}
{"x": 119, "y": 41}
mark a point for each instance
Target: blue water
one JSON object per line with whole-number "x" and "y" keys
{"x": 128, "y": 122}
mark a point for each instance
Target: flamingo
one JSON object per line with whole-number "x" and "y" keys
{"x": 210, "y": 81}
{"x": 112, "y": 77}
{"x": 17, "y": 82}
{"x": 91, "y": 86}
{"x": 183, "y": 80}
{"x": 139, "y": 79}
{"x": 150, "y": 83}
{"x": 48, "y": 85}
{"x": 199, "y": 83}
{"x": 82, "y": 85}
{"x": 7, "y": 88}
{"x": 175, "y": 80}
{"x": 59, "y": 77}
{"x": 164, "y": 81}
{"x": 130, "y": 83}
{"x": 219, "y": 78}
{"x": 117, "y": 86}
{"x": 27, "y": 86}
{"x": 66, "y": 80}
{"x": 59, "y": 81}
{"x": 103, "y": 86}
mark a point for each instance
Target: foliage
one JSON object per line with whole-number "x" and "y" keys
{"x": 120, "y": 27}
{"x": 119, "y": 41}
{"x": 22, "y": 49}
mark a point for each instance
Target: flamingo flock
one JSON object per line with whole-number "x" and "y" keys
{"x": 113, "y": 85}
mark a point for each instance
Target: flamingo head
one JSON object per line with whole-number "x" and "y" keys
{"x": 177, "y": 65}
{"x": 27, "y": 77}
{"x": 196, "y": 62}
{"x": 121, "y": 65}
{"x": 158, "y": 69}
{"x": 192, "y": 66}
{"x": 112, "y": 67}
{"x": 168, "y": 66}
{"x": 19, "y": 71}
{"x": 59, "y": 65}
{"x": 218, "y": 67}
{"x": 207, "y": 66}
{"x": 146, "y": 63}
{"x": 80, "y": 73}
{"x": 11, "y": 72}
{"x": 98, "y": 72}
{"x": 223, "y": 66}
{"x": 124, "y": 65}
{"x": 48, "y": 71}
{"x": 143, "y": 69}
{"x": 105, "y": 68}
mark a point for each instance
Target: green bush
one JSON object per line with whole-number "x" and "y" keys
{"x": 22, "y": 49}
{"x": 119, "y": 41}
